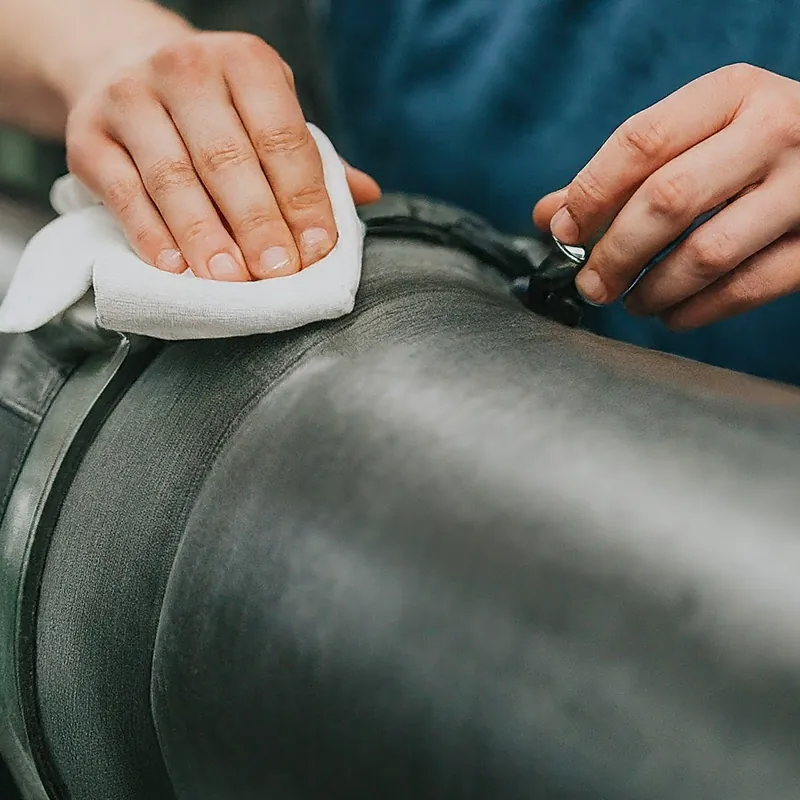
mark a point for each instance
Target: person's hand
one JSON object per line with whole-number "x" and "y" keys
{"x": 732, "y": 134}
{"x": 200, "y": 150}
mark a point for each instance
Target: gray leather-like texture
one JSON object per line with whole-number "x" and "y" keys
{"x": 441, "y": 548}
{"x": 18, "y": 222}
{"x": 56, "y": 388}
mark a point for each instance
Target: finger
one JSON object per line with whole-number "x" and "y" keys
{"x": 766, "y": 276}
{"x": 363, "y": 187}
{"x": 750, "y": 224}
{"x": 108, "y": 171}
{"x": 643, "y": 145}
{"x": 544, "y": 210}
{"x": 145, "y": 129}
{"x": 667, "y": 203}
{"x": 288, "y": 153}
{"x": 230, "y": 170}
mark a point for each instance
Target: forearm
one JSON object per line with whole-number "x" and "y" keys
{"x": 53, "y": 50}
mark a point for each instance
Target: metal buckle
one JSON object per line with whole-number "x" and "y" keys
{"x": 550, "y": 289}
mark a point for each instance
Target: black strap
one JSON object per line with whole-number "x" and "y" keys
{"x": 545, "y": 287}
{"x": 58, "y": 384}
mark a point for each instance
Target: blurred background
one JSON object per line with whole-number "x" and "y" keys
{"x": 294, "y": 27}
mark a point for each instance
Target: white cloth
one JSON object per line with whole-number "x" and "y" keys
{"x": 85, "y": 249}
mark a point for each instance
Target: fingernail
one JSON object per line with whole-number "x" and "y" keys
{"x": 564, "y": 227}
{"x": 223, "y": 267}
{"x": 316, "y": 240}
{"x": 276, "y": 262}
{"x": 170, "y": 261}
{"x": 591, "y": 286}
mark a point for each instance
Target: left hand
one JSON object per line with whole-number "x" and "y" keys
{"x": 732, "y": 134}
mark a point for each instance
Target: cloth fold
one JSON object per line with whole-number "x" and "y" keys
{"x": 85, "y": 250}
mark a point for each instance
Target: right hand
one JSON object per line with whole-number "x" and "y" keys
{"x": 200, "y": 150}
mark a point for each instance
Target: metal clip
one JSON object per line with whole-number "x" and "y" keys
{"x": 551, "y": 289}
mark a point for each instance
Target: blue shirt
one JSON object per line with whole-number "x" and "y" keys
{"x": 491, "y": 104}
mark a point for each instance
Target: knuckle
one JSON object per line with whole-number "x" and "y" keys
{"x": 125, "y": 91}
{"x": 168, "y": 175}
{"x": 672, "y": 196}
{"x": 186, "y": 58}
{"x": 255, "y": 220}
{"x": 740, "y": 74}
{"x": 643, "y": 137}
{"x": 310, "y": 197}
{"x": 248, "y": 51}
{"x": 121, "y": 195}
{"x": 254, "y": 46}
{"x": 282, "y": 139}
{"x": 712, "y": 253}
{"x": 217, "y": 155}
{"x": 586, "y": 194}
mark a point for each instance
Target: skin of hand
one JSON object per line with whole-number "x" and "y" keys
{"x": 732, "y": 135}
{"x": 200, "y": 150}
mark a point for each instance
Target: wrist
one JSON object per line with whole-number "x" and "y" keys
{"x": 122, "y": 34}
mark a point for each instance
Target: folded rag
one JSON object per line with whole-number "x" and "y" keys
{"x": 85, "y": 250}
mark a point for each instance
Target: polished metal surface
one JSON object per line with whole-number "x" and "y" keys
{"x": 575, "y": 253}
